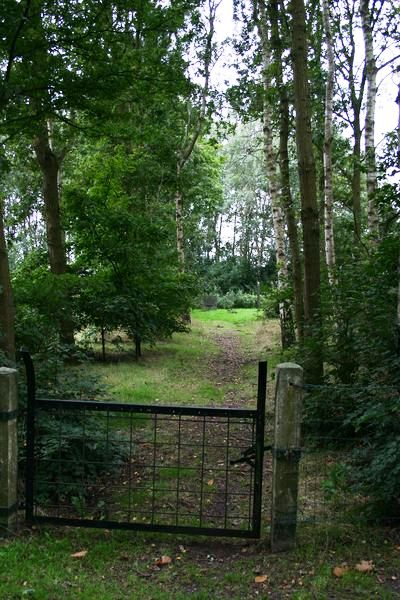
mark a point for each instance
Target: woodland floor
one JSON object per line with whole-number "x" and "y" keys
{"x": 214, "y": 365}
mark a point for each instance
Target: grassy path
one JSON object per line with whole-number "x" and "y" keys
{"x": 215, "y": 365}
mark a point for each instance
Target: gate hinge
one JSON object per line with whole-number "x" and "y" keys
{"x": 249, "y": 456}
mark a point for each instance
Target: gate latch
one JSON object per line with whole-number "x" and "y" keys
{"x": 249, "y": 456}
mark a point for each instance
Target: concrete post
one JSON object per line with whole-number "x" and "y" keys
{"x": 8, "y": 450}
{"x": 286, "y": 455}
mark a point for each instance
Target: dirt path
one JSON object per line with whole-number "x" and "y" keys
{"x": 225, "y": 368}
{"x": 228, "y": 367}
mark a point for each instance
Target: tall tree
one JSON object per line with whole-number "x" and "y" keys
{"x": 330, "y": 256}
{"x": 7, "y": 334}
{"x": 346, "y": 23}
{"x": 194, "y": 123}
{"x": 278, "y": 25}
{"x": 285, "y": 315}
{"x": 371, "y": 73}
{"x": 308, "y": 191}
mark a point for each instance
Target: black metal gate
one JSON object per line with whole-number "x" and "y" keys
{"x": 157, "y": 468}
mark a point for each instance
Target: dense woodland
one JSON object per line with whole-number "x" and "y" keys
{"x": 135, "y": 182}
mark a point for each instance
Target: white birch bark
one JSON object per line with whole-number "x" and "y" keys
{"x": 328, "y": 136}
{"x": 370, "y": 157}
{"x": 286, "y": 320}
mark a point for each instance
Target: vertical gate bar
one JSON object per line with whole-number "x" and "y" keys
{"x": 260, "y": 426}
{"x": 202, "y": 472}
{"x": 178, "y": 477}
{"x": 30, "y": 435}
{"x": 252, "y": 478}
{"x": 130, "y": 465}
{"x": 153, "y": 490}
{"x": 228, "y": 423}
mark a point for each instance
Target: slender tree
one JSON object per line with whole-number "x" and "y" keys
{"x": 371, "y": 73}
{"x": 328, "y": 138}
{"x": 285, "y": 316}
{"x": 308, "y": 191}
{"x": 194, "y": 126}
{"x": 7, "y": 335}
{"x": 287, "y": 201}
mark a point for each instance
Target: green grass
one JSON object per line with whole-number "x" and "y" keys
{"x": 177, "y": 371}
{"x": 120, "y": 565}
{"x": 235, "y": 316}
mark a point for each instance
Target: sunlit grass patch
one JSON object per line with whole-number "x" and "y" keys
{"x": 235, "y": 316}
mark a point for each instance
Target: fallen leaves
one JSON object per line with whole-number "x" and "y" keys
{"x": 163, "y": 561}
{"x": 340, "y": 571}
{"x": 80, "y": 554}
{"x": 364, "y": 566}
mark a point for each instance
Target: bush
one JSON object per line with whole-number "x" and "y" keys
{"x": 363, "y": 403}
{"x": 227, "y": 301}
{"x": 237, "y": 299}
{"x": 54, "y": 380}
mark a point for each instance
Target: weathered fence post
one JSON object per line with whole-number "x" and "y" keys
{"x": 8, "y": 450}
{"x": 286, "y": 455}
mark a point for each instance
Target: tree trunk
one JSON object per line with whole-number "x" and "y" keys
{"x": 50, "y": 166}
{"x": 328, "y": 136}
{"x": 285, "y": 316}
{"x": 356, "y": 177}
{"x": 180, "y": 234}
{"x": 7, "y": 334}
{"x": 286, "y": 194}
{"x": 308, "y": 192}
{"x": 398, "y": 263}
{"x": 370, "y": 157}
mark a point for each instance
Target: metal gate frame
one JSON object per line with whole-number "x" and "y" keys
{"x": 252, "y": 456}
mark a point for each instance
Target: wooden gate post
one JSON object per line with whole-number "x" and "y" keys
{"x": 286, "y": 455}
{"x": 8, "y": 450}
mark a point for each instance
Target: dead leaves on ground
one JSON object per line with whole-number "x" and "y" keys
{"x": 364, "y": 566}
{"x": 163, "y": 561}
{"x": 80, "y": 554}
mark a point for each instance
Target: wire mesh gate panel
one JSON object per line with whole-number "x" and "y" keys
{"x": 155, "y": 468}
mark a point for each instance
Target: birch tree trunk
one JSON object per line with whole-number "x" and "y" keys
{"x": 285, "y": 316}
{"x": 328, "y": 136}
{"x": 370, "y": 157}
{"x": 7, "y": 335}
{"x": 308, "y": 193}
{"x": 286, "y": 194}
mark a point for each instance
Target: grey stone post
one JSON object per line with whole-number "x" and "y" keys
{"x": 8, "y": 450}
{"x": 286, "y": 455}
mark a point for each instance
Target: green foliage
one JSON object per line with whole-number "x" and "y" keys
{"x": 237, "y": 299}
{"x": 42, "y": 301}
{"x": 129, "y": 275}
{"x": 360, "y": 407}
